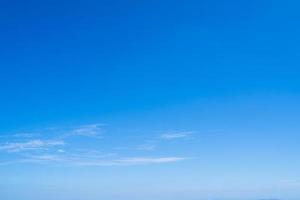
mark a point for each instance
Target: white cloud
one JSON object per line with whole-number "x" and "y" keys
{"x": 46, "y": 157}
{"x": 49, "y": 150}
{"x": 91, "y": 130}
{"x": 148, "y": 160}
{"x": 61, "y": 151}
{"x": 30, "y": 145}
{"x": 91, "y": 159}
{"x": 177, "y": 135}
{"x": 128, "y": 161}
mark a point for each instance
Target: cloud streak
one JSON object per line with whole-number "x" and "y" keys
{"x": 30, "y": 145}
{"x": 51, "y": 149}
{"x": 79, "y": 160}
{"x": 148, "y": 160}
{"x": 177, "y": 135}
{"x": 89, "y": 130}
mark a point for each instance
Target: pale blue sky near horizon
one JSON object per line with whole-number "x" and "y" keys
{"x": 193, "y": 100}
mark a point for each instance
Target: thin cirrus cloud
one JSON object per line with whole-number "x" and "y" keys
{"x": 152, "y": 145}
{"x": 30, "y": 145}
{"x": 56, "y": 137}
{"x": 131, "y": 161}
{"x": 97, "y": 160}
{"x": 149, "y": 160}
{"x": 52, "y": 149}
{"x": 90, "y": 130}
{"x": 176, "y": 135}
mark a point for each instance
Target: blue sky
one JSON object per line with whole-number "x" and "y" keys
{"x": 194, "y": 100}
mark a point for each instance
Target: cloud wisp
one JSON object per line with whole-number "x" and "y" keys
{"x": 148, "y": 160}
{"x": 30, "y": 145}
{"x": 88, "y": 130}
{"x": 176, "y": 135}
{"x": 126, "y": 161}
{"x": 49, "y": 147}
{"x": 104, "y": 160}
{"x": 154, "y": 143}
{"x": 91, "y": 130}
{"x": 29, "y": 141}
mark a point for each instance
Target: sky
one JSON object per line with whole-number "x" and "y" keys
{"x": 143, "y": 100}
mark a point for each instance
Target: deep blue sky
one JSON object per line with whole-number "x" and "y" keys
{"x": 149, "y": 99}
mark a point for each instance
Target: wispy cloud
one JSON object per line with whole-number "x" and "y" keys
{"x": 47, "y": 147}
{"x": 60, "y": 133}
{"x": 131, "y": 161}
{"x": 90, "y": 130}
{"x": 30, "y": 145}
{"x": 148, "y": 160}
{"x": 176, "y": 135}
{"x": 75, "y": 157}
{"x": 155, "y": 142}
{"x": 104, "y": 160}
{"x": 44, "y": 157}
